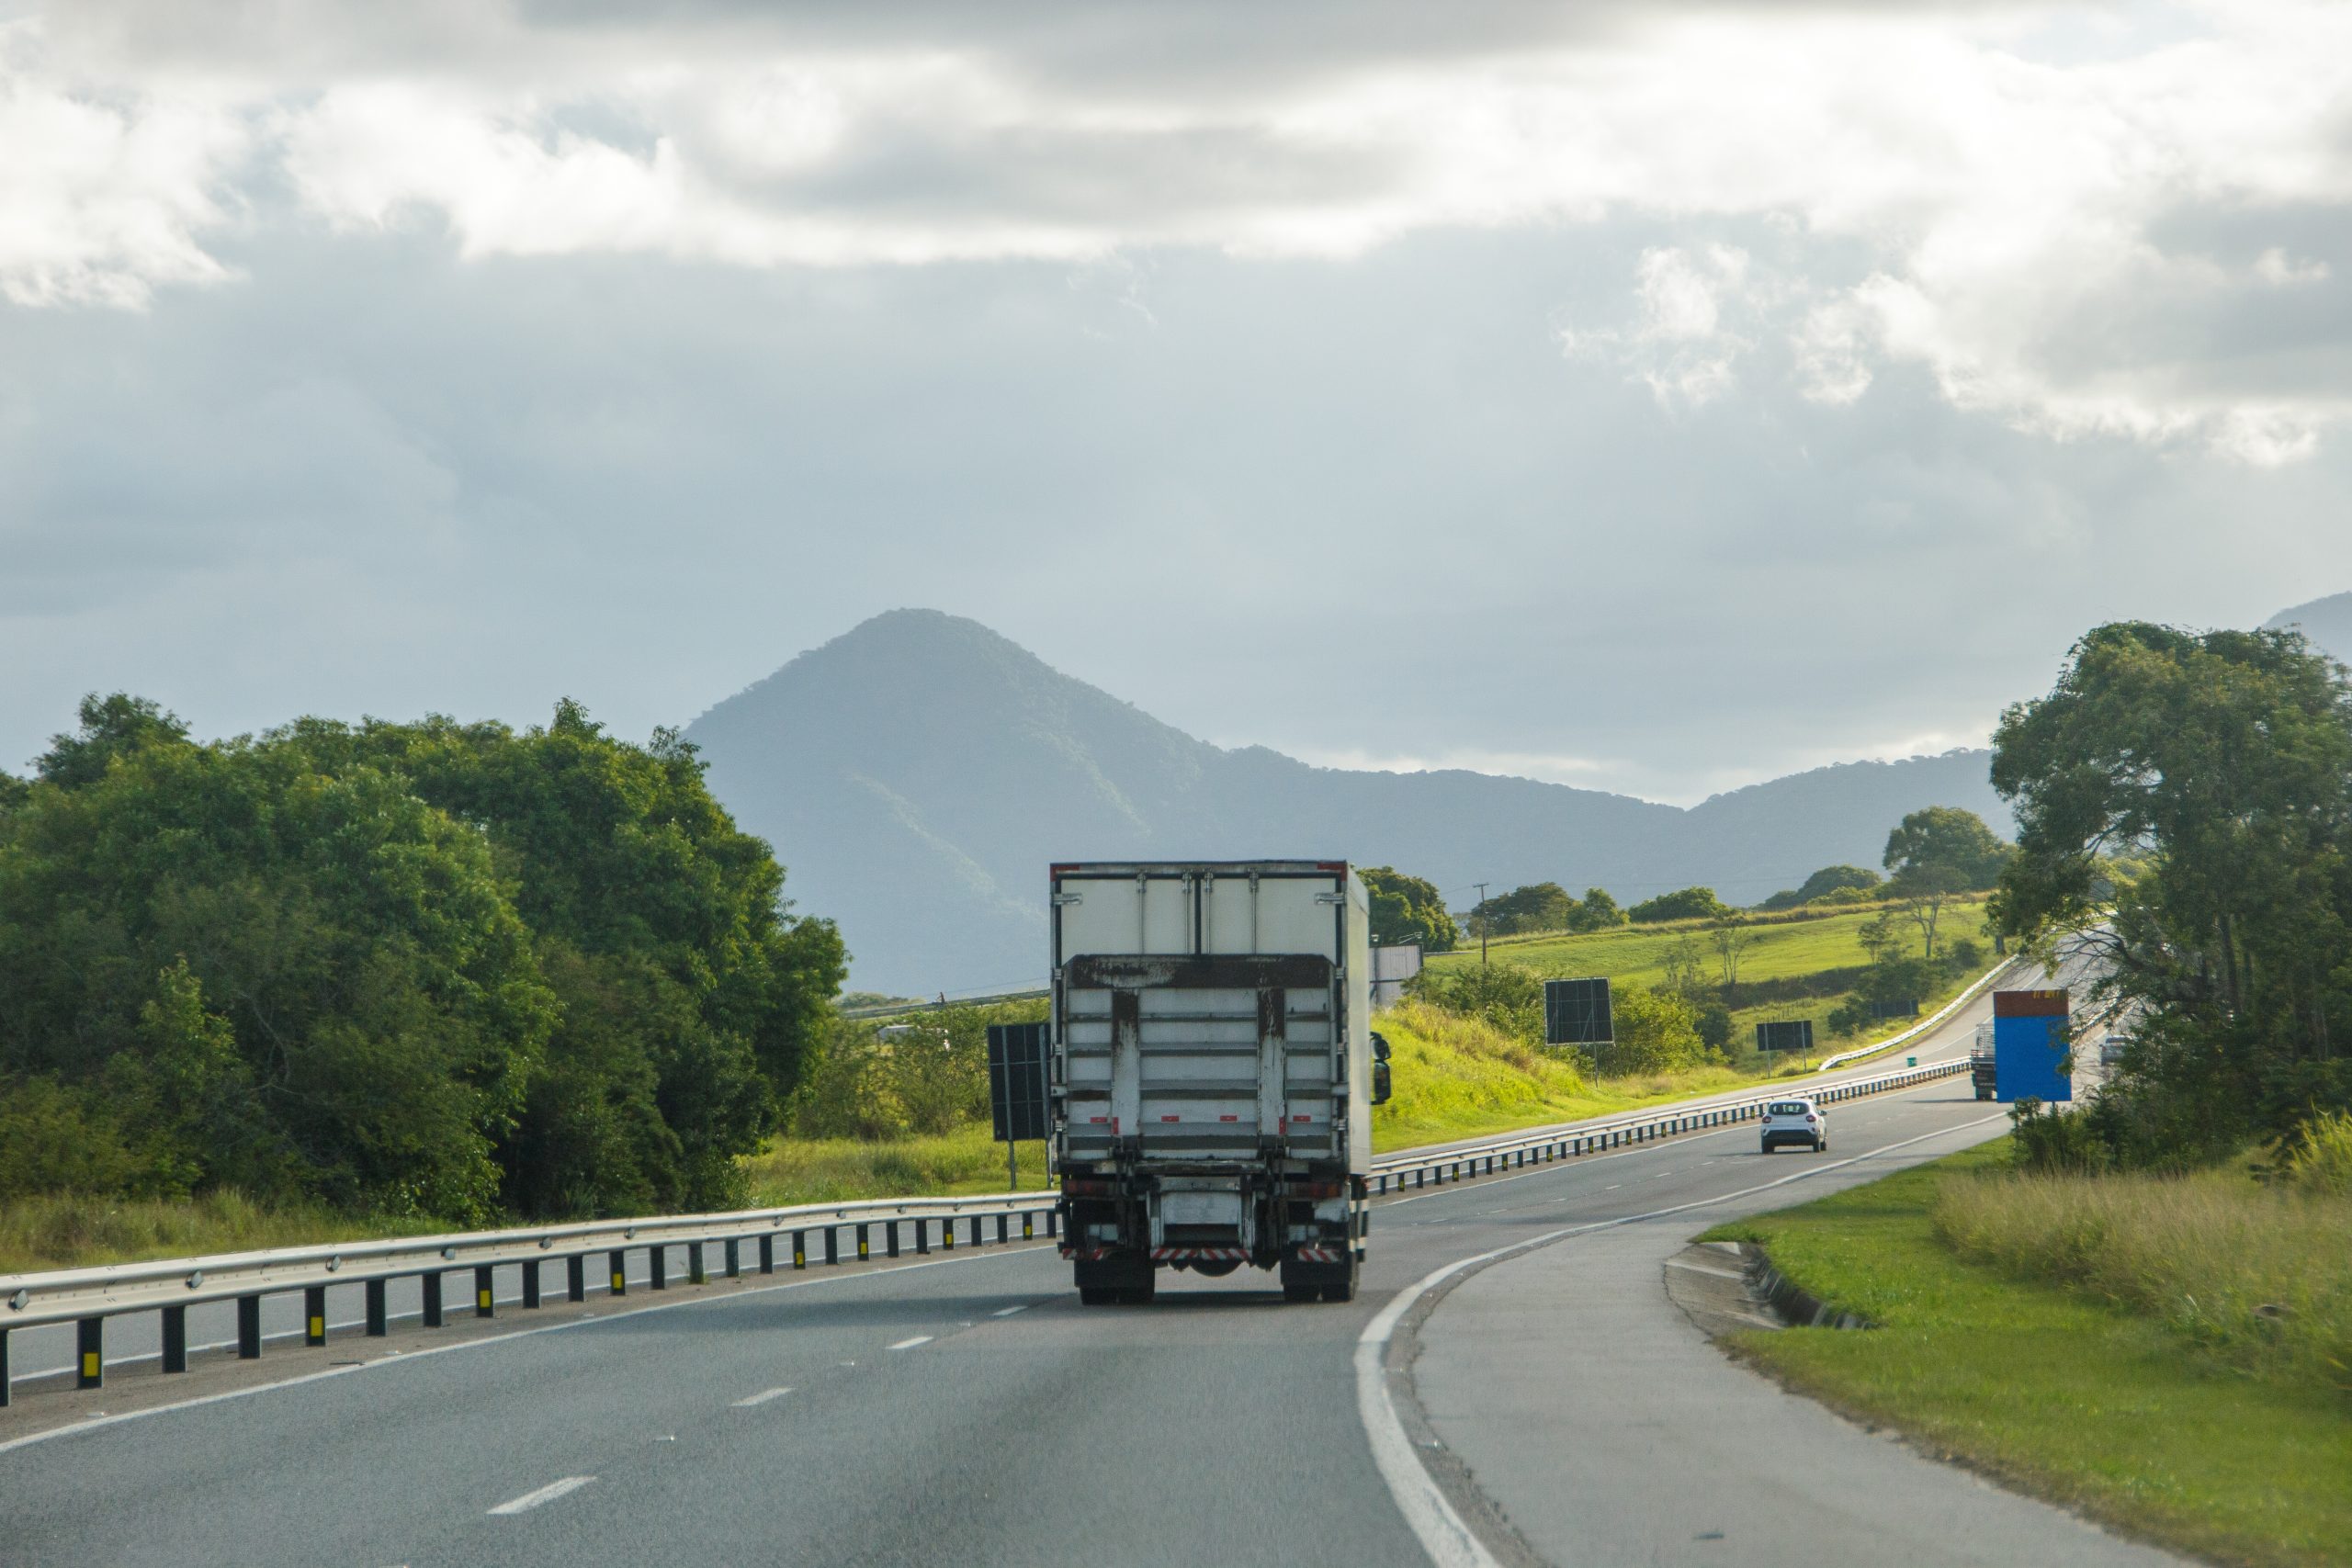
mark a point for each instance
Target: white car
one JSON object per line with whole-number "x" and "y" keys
{"x": 1795, "y": 1122}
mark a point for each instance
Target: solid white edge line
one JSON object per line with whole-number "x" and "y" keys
{"x": 1007, "y": 1312}
{"x": 547, "y": 1493}
{"x": 910, "y": 1344}
{"x": 1440, "y": 1530}
{"x": 762, "y": 1397}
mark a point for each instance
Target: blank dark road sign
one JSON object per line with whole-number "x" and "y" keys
{"x": 1576, "y": 1012}
{"x": 1017, "y": 1081}
{"x": 1791, "y": 1035}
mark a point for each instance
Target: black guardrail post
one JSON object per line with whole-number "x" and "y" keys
{"x": 1003, "y": 1229}
{"x": 485, "y": 1300}
{"x": 1053, "y": 1222}
{"x": 891, "y": 1238}
{"x": 923, "y": 1238}
{"x": 432, "y": 1284}
{"x": 620, "y": 1261}
{"x": 695, "y": 1273}
{"x": 315, "y": 1314}
{"x": 531, "y": 1281}
{"x": 249, "y": 1328}
{"x": 832, "y": 1246}
{"x": 176, "y": 1339}
{"x": 767, "y": 1252}
{"x": 800, "y": 1248}
{"x": 947, "y": 1233}
{"x": 575, "y": 1277}
{"x": 732, "y": 1253}
{"x": 379, "y": 1320}
{"x": 4, "y": 1367}
{"x": 863, "y": 1251}
{"x": 90, "y": 1352}
{"x": 657, "y": 1266}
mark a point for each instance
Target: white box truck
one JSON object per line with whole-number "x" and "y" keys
{"x": 1213, "y": 1071}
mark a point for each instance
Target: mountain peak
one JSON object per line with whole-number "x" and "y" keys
{"x": 919, "y": 772}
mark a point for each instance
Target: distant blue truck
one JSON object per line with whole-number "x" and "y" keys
{"x": 2031, "y": 1042}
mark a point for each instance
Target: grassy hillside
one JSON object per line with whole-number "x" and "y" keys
{"x": 1798, "y": 966}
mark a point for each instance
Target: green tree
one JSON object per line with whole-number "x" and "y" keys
{"x": 1829, "y": 881}
{"x": 1685, "y": 903}
{"x": 2218, "y": 766}
{"x": 1408, "y": 909}
{"x": 1937, "y": 853}
{"x": 437, "y": 969}
{"x": 1596, "y": 911}
{"x": 1657, "y": 1031}
{"x": 1537, "y": 906}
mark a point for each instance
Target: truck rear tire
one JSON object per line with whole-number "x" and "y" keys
{"x": 1340, "y": 1283}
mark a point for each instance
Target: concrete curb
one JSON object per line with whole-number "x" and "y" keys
{"x": 1790, "y": 1302}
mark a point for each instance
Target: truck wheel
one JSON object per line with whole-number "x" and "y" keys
{"x": 1340, "y": 1284}
{"x": 1140, "y": 1292}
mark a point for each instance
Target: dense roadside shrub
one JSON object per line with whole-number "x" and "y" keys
{"x": 1507, "y": 997}
{"x": 1657, "y": 1031}
{"x": 433, "y": 969}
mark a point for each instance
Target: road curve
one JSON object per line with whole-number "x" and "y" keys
{"x": 961, "y": 1411}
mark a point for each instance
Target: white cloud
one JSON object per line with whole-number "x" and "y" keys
{"x": 2003, "y": 203}
{"x": 102, "y": 197}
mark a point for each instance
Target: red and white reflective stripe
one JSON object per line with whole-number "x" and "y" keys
{"x": 1089, "y": 1254}
{"x": 1322, "y": 1255}
{"x": 1198, "y": 1254}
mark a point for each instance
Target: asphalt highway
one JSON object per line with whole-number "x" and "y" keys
{"x": 965, "y": 1410}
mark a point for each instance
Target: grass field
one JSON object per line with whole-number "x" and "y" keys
{"x": 1785, "y": 950}
{"x": 2102, "y": 1403}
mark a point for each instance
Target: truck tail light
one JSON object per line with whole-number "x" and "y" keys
{"x": 1074, "y": 1186}
{"x": 1316, "y": 1189}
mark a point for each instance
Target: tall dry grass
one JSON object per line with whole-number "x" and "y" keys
{"x": 68, "y": 1231}
{"x": 2262, "y": 1275}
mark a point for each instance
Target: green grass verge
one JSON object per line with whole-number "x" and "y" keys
{"x": 2059, "y": 1393}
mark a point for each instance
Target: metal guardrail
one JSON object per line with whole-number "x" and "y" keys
{"x": 1410, "y": 1171}
{"x": 1933, "y": 1021}
{"x": 88, "y": 1297}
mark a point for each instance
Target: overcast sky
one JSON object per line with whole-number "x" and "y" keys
{"x": 1655, "y": 399}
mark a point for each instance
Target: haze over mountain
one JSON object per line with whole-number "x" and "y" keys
{"x": 2327, "y": 623}
{"x": 917, "y": 774}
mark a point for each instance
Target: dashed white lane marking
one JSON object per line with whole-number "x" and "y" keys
{"x": 1612, "y": 1186}
{"x": 1007, "y": 1312}
{"x": 761, "y": 1398}
{"x": 910, "y": 1344}
{"x": 547, "y": 1493}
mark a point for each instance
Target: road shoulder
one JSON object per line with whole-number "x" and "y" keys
{"x": 1603, "y": 1426}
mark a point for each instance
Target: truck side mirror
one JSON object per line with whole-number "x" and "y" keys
{"x": 1379, "y": 1046}
{"x": 1380, "y": 1082}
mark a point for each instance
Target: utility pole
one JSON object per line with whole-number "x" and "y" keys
{"x": 1479, "y": 914}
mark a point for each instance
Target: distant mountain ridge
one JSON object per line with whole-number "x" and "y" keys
{"x": 2326, "y": 624}
{"x": 918, "y": 774}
